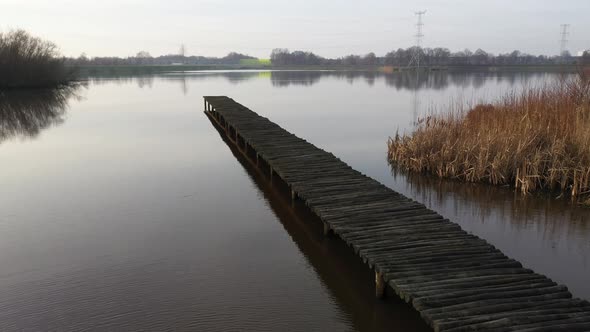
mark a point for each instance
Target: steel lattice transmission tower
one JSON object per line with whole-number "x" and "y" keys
{"x": 415, "y": 60}
{"x": 563, "y": 40}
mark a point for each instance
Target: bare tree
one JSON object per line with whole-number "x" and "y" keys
{"x": 370, "y": 59}
{"x": 143, "y": 55}
{"x": 27, "y": 61}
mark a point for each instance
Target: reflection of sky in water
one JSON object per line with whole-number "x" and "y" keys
{"x": 134, "y": 183}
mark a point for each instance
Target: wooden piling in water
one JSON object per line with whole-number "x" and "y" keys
{"x": 271, "y": 173}
{"x": 457, "y": 281}
{"x": 326, "y": 228}
{"x": 379, "y": 285}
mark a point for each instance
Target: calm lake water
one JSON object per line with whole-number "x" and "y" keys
{"x": 124, "y": 209}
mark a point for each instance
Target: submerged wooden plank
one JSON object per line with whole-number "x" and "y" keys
{"x": 456, "y": 280}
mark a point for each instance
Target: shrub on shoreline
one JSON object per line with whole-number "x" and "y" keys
{"x": 29, "y": 62}
{"x": 538, "y": 139}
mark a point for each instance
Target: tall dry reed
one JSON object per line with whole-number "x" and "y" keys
{"x": 538, "y": 139}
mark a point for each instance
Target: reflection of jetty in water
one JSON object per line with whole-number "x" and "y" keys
{"x": 400, "y": 80}
{"x": 25, "y": 113}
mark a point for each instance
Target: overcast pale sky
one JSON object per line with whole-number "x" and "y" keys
{"x": 330, "y": 28}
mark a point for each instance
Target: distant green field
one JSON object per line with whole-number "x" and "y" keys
{"x": 255, "y": 62}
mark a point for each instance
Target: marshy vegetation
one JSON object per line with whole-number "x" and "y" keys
{"x": 537, "y": 139}
{"x": 30, "y": 62}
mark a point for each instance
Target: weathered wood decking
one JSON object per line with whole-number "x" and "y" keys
{"x": 457, "y": 281}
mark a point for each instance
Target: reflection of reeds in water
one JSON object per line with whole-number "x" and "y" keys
{"x": 24, "y": 113}
{"x": 536, "y": 140}
{"x": 554, "y": 218}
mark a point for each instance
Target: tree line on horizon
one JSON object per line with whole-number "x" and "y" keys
{"x": 144, "y": 58}
{"x": 428, "y": 57}
{"x": 27, "y": 61}
{"x": 438, "y": 56}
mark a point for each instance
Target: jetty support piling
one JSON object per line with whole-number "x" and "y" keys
{"x": 327, "y": 228}
{"x": 379, "y": 285}
{"x": 293, "y": 197}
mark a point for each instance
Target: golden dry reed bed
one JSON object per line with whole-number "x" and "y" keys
{"x": 538, "y": 139}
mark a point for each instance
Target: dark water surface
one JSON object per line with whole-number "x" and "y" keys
{"x": 123, "y": 208}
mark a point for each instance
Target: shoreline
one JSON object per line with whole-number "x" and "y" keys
{"x": 91, "y": 70}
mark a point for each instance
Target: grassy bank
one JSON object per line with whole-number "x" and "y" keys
{"x": 551, "y": 68}
{"x": 107, "y": 70}
{"x": 29, "y": 62}
{"x": 535, "y": 140}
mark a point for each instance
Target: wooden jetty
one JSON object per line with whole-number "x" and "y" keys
{"x": 455, "y": 280}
